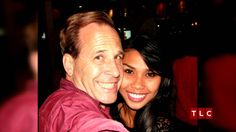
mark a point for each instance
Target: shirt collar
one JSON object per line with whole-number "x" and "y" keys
{"x": 68, "y": 85}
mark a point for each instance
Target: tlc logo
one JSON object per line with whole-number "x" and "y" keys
{"x": 201, "y": 113}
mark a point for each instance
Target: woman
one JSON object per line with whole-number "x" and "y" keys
{"x": 142, "y": 101}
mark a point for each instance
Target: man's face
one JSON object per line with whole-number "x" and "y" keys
{"x": 98, "y": 68}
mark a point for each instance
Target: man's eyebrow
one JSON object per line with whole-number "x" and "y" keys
{"x": 125, "y": 64}
{"x": 120, "y": 53}
{"x": 99, "y": 51}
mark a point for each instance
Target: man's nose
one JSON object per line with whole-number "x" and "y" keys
{"x": 113, "y": 69}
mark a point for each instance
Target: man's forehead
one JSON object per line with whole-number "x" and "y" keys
{"x": 105, "y": 48}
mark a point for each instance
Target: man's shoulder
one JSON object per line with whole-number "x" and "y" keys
{"x": 66, "y": 98}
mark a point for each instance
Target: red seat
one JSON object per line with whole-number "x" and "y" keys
{"x": 220, "y": 86}
{"x": 185, "y": 80}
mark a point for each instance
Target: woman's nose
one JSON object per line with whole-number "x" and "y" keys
{"x": 138, "y": 83}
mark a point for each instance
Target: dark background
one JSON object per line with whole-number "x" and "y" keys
{"x": 195, "y": 27}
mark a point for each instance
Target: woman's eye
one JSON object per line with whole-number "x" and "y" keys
{"x": 128, "y": 71}
{"x": 151, "y": 74}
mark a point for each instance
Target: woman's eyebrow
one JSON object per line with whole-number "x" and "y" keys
{"x": 128, "y": 65}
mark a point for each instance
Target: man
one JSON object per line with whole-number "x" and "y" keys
{"x": 92, "y": 60}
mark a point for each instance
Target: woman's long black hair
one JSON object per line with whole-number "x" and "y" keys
{"x": 146, "y": 118}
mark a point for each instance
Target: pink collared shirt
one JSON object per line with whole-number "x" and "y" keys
{"x": 20, "y": 112}
{"x": 70, "y": 109}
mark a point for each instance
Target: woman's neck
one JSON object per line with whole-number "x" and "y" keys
{"x": 127, "y": 115}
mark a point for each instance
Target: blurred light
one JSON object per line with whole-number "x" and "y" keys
{"x": 160, "y": 9}
{"x": 2, "y": 32}
{"x": 110, "y": 13}
{"x": 144, "y": 7}
{"x": 80, "y": 6}
{"x": 218, "y": 2}
{"x": 43, "y": 36}
{"x": 127, "y": 34}
{"x": 194, "y": 23}
{"x": 158, "y": 25}
{"x": 125, "y": 12}
{"x": 181, "y": 5}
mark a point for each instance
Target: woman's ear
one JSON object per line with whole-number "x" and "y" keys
{"x": 68, "y": 64}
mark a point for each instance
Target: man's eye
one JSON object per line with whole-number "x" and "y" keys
{"x": 99, "y": 57}
{"x": 120, "y": 57}
{"x": 128, "y": 71}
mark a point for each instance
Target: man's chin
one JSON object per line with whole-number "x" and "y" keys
{"x": 109, "y": 100}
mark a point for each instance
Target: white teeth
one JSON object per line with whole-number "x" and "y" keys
{"x": 136, "y": 95}
{"x": 106, "y": 85}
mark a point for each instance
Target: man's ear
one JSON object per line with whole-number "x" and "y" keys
{"x": 68, "y": 64}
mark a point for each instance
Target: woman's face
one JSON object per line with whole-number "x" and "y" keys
{"x": 140, "y": 84}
